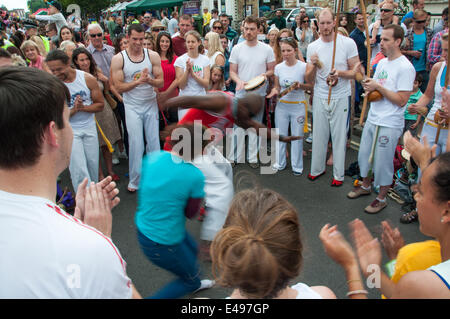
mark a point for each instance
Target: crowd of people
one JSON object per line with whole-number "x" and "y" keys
{"x": 135, "y": 91}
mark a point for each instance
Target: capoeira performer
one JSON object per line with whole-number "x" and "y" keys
{"x": 394, "y": 79}
{"x": 86, "y": 99}
{"x": 218, "y": 111}
{"x": 290, "y": 109}
{"x": 330, "y": 116}
{"x": 135, "y": 72}
{"x": 436, "y": 85}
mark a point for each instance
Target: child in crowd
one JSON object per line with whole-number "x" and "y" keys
{"x": 217, "y": 79}
{"x": 413, "y": 121}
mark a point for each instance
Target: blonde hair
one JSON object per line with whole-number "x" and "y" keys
{"x": 222, "y": 80}
{"x": 259, "y": 249}
{"x": 342, "y": 31}
{"x": 29, "y": 43}
{"x": 40, "y": 45}
{"x": 214, "y": 43}
{"x": 63, "y": 46}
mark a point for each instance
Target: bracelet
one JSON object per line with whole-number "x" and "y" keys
{"x": 357, "y": 292}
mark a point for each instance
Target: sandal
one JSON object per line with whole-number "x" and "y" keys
{"x": 392, "y": 194}
{"x": 408, "y": 218}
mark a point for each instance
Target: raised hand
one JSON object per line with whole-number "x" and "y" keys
{"x": 392, "y": 240}
{"x": 368, "y": 249}
{"x": 336, "y": 247}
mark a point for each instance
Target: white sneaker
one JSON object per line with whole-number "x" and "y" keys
{"x": 205, "y": 284}
{"x": 309, "y": 139}
{"x": 115, "y": 160}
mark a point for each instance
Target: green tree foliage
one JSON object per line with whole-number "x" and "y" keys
{"x": 34, "y": 5}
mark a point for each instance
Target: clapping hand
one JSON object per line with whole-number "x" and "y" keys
{"x": 336, "y": 247}
{"x": 368, "y": 249}
{"x": 95, "y": 202}
{"x": 392, "y": 240}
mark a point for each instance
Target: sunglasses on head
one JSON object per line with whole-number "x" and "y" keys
{"x": 96, "y": 35}
{"x": 287, "y": 39}
{"x": 386, "y": 10}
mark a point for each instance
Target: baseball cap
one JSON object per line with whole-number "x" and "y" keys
{"x": 29, "y": 24}
{"x": 56, "y": 4}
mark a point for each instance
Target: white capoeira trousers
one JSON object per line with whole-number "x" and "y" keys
{"x": 328, "y": 119}
{"x": 384, "y": 152}
{"x": 429, "y": 131}
{"x": 236, "y": 153}
{"x": 85, "y": 155}
{"x": 219, "y": 190}
{"x": 293, "y": 114}
{"x": 142, "y": 119}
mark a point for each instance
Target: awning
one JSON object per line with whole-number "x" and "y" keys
{"x": 153, "y": 4}
{"x": 123, "y": 5}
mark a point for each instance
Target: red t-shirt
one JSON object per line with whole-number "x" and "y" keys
{"x": 215, "y": 121}
{"x": 169, "y": 74}
{"x": 179, "y": 45}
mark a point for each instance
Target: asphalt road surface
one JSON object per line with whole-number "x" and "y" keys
{"x": 317, "y": 203}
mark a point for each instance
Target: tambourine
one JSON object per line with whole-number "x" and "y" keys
{"x": 438, "y": 119}
{"x": 255, "y": 83}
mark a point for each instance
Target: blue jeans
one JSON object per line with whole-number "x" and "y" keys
{"x": 179, "y": 259}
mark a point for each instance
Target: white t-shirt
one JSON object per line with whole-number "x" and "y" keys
{"x": 396, "y": 75}
{"x": 49, "y": 254}
{"x": 287, "y": 75}
{"x": 192, "y": 86}
{"x": 345, "y": 50}
{"x": 252, "y": 61}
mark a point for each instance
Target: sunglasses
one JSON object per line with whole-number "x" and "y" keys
{"x": 305, "y": 21}
{"x": 158, "y": 29}
{"x": 96, "y": 35}
{"x": 220, "y": 28}
{"x": 288, "y": 39}
{"x": 386, "y": 10}
{"x": 420, "y": 21}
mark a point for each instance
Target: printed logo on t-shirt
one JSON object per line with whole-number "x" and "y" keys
{"x": 287, "y": 83}
{"x": 198, "y": 71}
{"x": 382, "y": 77}
{"x": 73, "y": 97}
{"x": 301, "y": 119}
{"x": 137, "y": 75}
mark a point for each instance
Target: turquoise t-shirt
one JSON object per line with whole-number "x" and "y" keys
{"x": 413, "y": 98}
{"x": 167, "y": 183}
{"x": 420, "y": 41}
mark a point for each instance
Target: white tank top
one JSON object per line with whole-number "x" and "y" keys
{"x": 79, "y": 87}
{"x": 437, "y": 95}
{"x": 143, "y": 93}
{"x": 443, "y": 271}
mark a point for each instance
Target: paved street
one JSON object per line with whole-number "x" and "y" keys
{"x": 317, "y": 203}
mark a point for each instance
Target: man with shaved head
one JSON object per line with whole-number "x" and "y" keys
{"x": 330, "y": 117}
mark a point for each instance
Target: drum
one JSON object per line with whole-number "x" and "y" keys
{"x": 255, "y": 83}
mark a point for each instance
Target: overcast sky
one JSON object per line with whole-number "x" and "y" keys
{"x": 14, "y": 4}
